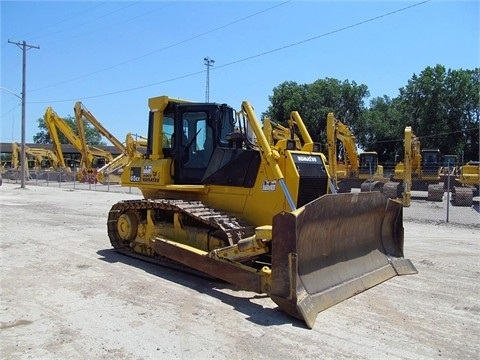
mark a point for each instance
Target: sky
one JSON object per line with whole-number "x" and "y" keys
{"x": 115, "y": 55}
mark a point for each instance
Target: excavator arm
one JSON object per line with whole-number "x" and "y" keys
{"x": 81, "y": 112}
{"x": 41, "y": 154}
{"x": 50, "y": 121}
{"x": 275, "y": 132}
{"x": 337, "y": 131}
{"x": 128, "y": 150}
{"x": 28, "y": 151}
{"x": 15, "y": 152}
{"x": 55, "y": 123}
{"x": 131, "y": 146}
{"x": 348, "y": 141}
{"x": 412, "y": 155}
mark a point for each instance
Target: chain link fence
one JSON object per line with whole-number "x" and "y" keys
{"x": 69, "y": 180}
{"x": 445, "y": 207}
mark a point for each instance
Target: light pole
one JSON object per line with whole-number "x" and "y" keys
{"x": 208, "y": 62}
{"x": 24, "y": 46}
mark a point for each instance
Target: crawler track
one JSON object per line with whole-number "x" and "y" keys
{"x": 222, "y": 225}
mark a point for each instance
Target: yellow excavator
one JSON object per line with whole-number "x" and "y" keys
{"x": 420, "y": 167}
{"x": 275, "y": 132}
{"x": 36, "y": 164}
{"x": 92, "y": 157}
{"x": 15, "y": 169}
{"x": 41, "y": 159}
{"x": 45, "y": 158}
{"x": 356, "y": 170}
{"x": 109, "y": 171}
{"x": 218, "y": 198}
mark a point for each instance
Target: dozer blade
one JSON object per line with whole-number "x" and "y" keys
{"x": 333, "y": 248}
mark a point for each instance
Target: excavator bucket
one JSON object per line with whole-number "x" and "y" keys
{"x": 333, "y": 248}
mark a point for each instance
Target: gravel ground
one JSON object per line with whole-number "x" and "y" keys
{"x": 65, "y": 294}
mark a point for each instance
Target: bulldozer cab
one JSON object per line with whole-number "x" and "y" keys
{"x": 194, "y": 131}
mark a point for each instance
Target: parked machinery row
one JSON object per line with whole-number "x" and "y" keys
{"x": 428, "y": 168}
{"x": 424, "y": 169}
{"x": 420, "y": 169}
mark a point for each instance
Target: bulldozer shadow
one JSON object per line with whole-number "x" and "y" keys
{"x": 245, "y": 303}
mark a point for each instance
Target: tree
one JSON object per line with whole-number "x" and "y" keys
{"x": 381, "y": 130}
{"x": 443, "y": 108}
{"x": 93, "y": 136}
{"x": 314, "y": 101}
{"x": 464, "y": 112}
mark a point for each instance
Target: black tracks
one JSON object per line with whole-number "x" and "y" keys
{"x": 230, "y": 227}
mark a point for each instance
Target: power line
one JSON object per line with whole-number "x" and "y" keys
{"x": 326, "y": 34}
{"x": 9, "y": 111}
{"x": 112, "y": 25}
{"x": 428, "y": 136}
{"x": 87, "y": 22}
{"x": 236, "y": 61}
{"x": 51, "y": 24}
{"x": 120, "y": 91}
{"x": 161, "y": 49}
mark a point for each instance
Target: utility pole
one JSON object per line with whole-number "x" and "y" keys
{"x": 208, "y": 62}
{"x": 24, "y": 46}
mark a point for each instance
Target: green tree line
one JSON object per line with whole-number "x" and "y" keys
{"x": 442, "y": 107}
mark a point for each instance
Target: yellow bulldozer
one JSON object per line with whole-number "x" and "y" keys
{"x": 220, "y": 199}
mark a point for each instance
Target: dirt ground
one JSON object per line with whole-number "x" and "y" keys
{"x": 65, "y": 294}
